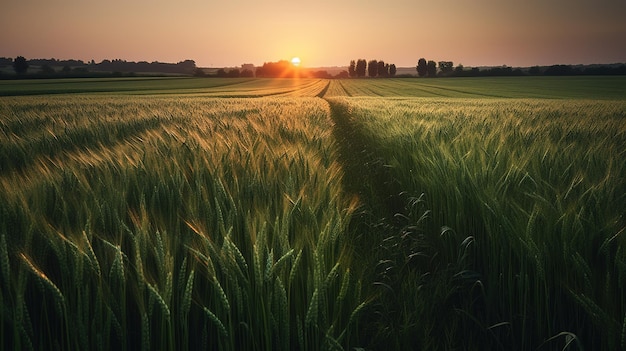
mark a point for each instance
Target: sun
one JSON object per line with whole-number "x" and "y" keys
{"x": 295, "y": 61}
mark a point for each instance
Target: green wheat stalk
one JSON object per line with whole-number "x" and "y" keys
{"x": 216, "y": 321}
{"x": 58, "y": 295}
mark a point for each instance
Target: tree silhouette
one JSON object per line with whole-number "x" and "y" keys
{"x": 361, "y": 65}
{"x": 352, "y": 69}
{"x": 382, "y": 69}
{"x": 20, "y": 65}
{"x": 221, "y": 73}
{"x": 372, "y": 68}
{"x": 342, "y": 75}
{"x": 392, "y": 69}
{"x": 422, "y": 67}
{"x": 47, "y": 70}
{"x": 446, "y": 67}
{"x": 246, "y": 73}
{"x": 432, "y": 68}
{"x": 282, "y": 68}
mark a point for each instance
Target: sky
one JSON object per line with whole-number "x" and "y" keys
{"x": 228, "y": 33}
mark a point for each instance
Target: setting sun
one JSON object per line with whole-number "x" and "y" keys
{"x": 295, "y": 61}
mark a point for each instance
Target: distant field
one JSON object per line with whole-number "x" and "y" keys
{"x": 593, "y": 88}
{"x": 258, "y": 214}
{"x": 604, "y": 88}
{"x": 222, "y": 87}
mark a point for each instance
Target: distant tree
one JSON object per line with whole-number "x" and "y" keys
{"x": 459, "y": 69}
{"x": 500, "y": 71}
{"x": 422, "y": 67}
{"x": 602, "y": 70}
{"x": 446, "y": 67}
{"x": 392, "y": 69}
{"x": 233, "y": 73}
{"x": 80, "y": 70}
{"x": 246, "y": 73}
{"x": 259, "y": 72}
{"x": 221, "y": 73}
{"x": 282, "y": 69}
{"x": 47, "y": 70}
{"x": 431, "y": 68}
{"x": 20, "y": 65}
{"x": 6, "y": 61}
{"x": 343, "y": 75}
{"x": 382, "y": 69}
{"x": 321, "y": 74}
{"x": 187, "y": 66}
{"x": 352, "y": 69}
{"x": 66, "y": 69}
{"x": 372, "y": 68}
{"x": 560, "y": 70}
{"x": 199, "y": 72}
{"x": 361, "y": 66}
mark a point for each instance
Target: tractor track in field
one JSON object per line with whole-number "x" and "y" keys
{"x": 323, "y": 91}
{"x": 344, "y": 89}
{"x": 380, "y": 226}
{"x": 367, "y": 174}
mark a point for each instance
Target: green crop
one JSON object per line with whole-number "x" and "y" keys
{"x": 184, "y": 213}
{"x": 509, "y": 223}
{"x": 177, "y": 223}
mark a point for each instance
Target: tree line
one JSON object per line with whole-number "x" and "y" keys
{"x": 374, "y": 68}
{"x": 357, "y": 68}
{"x": 53, "y": 67}
{"x": 280, "y": 69}
{"x": 433, "y": 69}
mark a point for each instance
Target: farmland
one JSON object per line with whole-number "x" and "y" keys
{"x": 313, "y": 214}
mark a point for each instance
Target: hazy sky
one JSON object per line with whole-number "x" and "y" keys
{"x": 321, "y": 32}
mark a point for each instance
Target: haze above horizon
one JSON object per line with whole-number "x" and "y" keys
{"x": 322, "y": 33}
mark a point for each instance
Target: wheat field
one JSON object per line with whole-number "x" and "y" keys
{"x": 519, "y": 204}
{"x": 146, "y": 222}
{"x": 313, "y": 214}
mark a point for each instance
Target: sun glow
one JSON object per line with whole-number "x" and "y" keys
{"x": 295, "y": 61}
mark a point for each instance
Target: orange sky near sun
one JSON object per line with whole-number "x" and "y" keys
{"x": 321, "y": 33}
